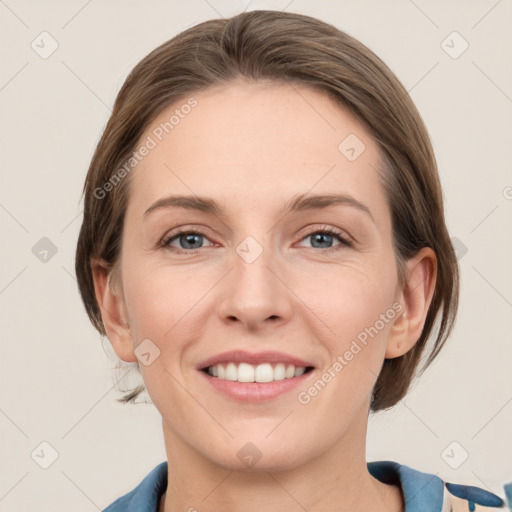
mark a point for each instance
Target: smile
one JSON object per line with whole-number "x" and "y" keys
{"x": 264, "y": 372}
{"x": 254, "y": 377}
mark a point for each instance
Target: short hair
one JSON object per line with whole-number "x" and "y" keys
{"x": 282, "y": 47}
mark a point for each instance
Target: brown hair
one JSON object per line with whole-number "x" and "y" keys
{"x": 289, "y": 47}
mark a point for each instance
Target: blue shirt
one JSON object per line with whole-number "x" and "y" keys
{"x": 423, "y": 492}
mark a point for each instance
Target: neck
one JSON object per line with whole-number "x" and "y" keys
{"x": 337, "y": 479}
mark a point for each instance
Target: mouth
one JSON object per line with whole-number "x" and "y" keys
{"x": 250, "y": 377}
{"x": 261, "y": 373}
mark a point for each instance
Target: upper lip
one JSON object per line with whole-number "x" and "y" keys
{"x": 241, "y": 356}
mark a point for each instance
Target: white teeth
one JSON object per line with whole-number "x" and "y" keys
{"x": 279, "y": 372}
{"x": 299, "y": 371}
{"x": 245, "y": 372}
{"x": 265, "y": 372}
{"x": 231, "y": 372}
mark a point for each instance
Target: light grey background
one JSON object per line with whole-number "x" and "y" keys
{"x": 56, "y": 379}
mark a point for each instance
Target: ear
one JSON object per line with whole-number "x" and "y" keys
{"x": 416, "y": 296}
{"x": 113, "y": 312}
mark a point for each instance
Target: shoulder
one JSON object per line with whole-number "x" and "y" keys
{"x": 146, "y": 496}
{"x": 427, "y": 492}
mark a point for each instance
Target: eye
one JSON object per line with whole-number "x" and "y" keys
{"x": 192, "y": 239}
{"x": 325, "y": 235}
{"x": 187, "y": 240}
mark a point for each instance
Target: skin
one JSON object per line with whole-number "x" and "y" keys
{"x": 252, "y": 147}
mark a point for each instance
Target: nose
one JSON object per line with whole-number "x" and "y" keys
{"x": 254, "y": 292}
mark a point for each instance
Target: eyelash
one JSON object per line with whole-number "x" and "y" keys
{"x": 344, "y": 242}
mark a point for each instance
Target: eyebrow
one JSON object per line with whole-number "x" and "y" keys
{"x": 298, "y": 203}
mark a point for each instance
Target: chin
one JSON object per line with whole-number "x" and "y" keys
{"x": 260, "y": 456}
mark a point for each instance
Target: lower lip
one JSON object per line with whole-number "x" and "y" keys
{"x": 255, "y": 391}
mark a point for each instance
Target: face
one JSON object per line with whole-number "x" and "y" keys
{"x": 303, "y": 292}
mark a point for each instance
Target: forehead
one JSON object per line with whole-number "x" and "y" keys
{"x": 255, "y": 142}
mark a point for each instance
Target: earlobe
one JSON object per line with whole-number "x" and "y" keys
{"x": 416, "y": 296}
{"x": 113, "y": 312}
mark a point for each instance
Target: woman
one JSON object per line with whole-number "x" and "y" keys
{"x": 264, "y": 235}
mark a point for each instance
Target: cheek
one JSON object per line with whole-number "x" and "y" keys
{"x": 164, "y": 305}
{"x": 154, "y": 298}
{"x": 360, "y": 316}
{"x": 352, "y": 298}
{"x": 356, "y": 306}
{"x": 149, "y": 304}
{"x": 159, "y": 304}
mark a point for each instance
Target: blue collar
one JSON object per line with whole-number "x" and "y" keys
{"x": 423, "y": 492}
